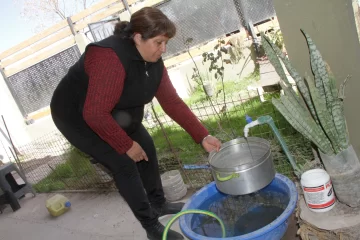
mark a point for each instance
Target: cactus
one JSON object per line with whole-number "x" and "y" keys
{"x": 317, "y": 112}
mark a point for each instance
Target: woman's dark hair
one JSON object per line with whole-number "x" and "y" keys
{"x": 149, "y": 22}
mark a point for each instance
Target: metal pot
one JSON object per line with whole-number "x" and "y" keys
{"x": 242, "y": 167}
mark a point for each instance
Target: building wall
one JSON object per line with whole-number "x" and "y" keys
{"x": 14, "y": 122}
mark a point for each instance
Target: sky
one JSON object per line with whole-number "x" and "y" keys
{"x": 14, "y": 29}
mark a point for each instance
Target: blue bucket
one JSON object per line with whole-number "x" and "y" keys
{"x": 273, "y": 231}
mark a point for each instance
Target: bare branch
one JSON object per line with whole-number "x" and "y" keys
{"x": 48, "y": 12}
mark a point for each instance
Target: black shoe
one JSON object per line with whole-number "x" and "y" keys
{"x": 156, "y": 233}
{"x": 169, "y": 208}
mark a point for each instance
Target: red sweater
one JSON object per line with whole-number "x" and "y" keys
{"x": 106, "y": 81}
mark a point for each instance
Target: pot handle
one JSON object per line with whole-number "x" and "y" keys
{"x": 227, "y": 178}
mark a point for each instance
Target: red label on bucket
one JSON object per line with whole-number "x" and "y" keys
{"x": 314, "y": 189}
{"x": 320, "y": 206}
{"x": 319, "y": 197}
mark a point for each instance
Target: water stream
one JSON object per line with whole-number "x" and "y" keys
{"x": 252, "y": 157}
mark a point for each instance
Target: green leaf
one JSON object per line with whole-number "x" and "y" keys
{"x": 189, "y": 40}
{"x": 279, "y": 69}
{"x": 300, "y": 83}
{"x": 337, "y": 111}
{"x": 340, "y": 125}
{"x": 318, "y": 66}
{"x": 332, "y": 80}
{"x": 324, "y": 115}
{"x": 326, "y": 83}
{"x": 307, "y": 127}
{"x": 274, "y": 59}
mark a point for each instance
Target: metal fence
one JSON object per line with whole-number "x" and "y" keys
{"x": 51, "y": 163}
{"x": 205, "y": 20}
{"x": 33, "y": 87}
{"x": 201, "y": 20}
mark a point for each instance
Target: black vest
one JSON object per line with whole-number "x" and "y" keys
{"x": 141, "y": 83}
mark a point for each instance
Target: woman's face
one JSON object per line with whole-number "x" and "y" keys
{"x": 151, "y": 49}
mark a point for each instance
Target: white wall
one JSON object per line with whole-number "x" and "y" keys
{"x": 180, "y": 75}
{"x": 13, "y": 118}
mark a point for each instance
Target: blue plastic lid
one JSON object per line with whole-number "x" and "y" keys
{"x": 248, "y": 119}
{"x": 68, "y": 204}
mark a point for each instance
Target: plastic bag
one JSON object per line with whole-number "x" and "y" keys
{"x": 344, "y": 171}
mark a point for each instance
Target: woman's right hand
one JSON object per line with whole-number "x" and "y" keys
{"x": 136, "y": 153}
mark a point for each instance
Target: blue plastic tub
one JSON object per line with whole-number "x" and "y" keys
{"x": 273, "y": 231}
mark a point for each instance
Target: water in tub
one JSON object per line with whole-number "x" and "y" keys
{"x": 240, "y": 214}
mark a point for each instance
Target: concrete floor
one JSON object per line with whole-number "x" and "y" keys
{"x": 93, "y": 216}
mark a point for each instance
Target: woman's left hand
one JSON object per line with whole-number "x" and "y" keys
{"x": 211, "y": 143}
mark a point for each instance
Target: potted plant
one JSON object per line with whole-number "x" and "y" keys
{"x": 316, "y": 111}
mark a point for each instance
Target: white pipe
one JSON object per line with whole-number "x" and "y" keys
{"x": 248, "y": 126}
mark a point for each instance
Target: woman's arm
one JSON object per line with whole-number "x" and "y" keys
{"x": 106, "y": 82}
{"x": 175, "y": 107}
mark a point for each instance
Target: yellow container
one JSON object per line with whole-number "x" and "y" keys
{"x": 57, "y": 205}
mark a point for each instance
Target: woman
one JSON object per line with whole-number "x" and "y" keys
{"x": 99, "y": 106}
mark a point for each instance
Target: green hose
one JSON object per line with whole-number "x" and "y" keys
{"x": 267, "y": 119}
{"x": 173, "y": 219}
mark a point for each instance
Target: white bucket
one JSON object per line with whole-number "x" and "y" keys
{"x": 173, "y": 185}
{"x": 318, "y": 191}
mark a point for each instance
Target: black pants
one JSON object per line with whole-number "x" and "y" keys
{"x": 130, "y": 178}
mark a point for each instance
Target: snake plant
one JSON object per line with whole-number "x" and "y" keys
{"x": 316, "y": 109}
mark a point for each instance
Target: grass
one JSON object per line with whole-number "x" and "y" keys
{"x": 76, "y": 172}
{"x": 197, "y": 96}
{"x": 230, "y": 87}
{"x": 238, "y": 86}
